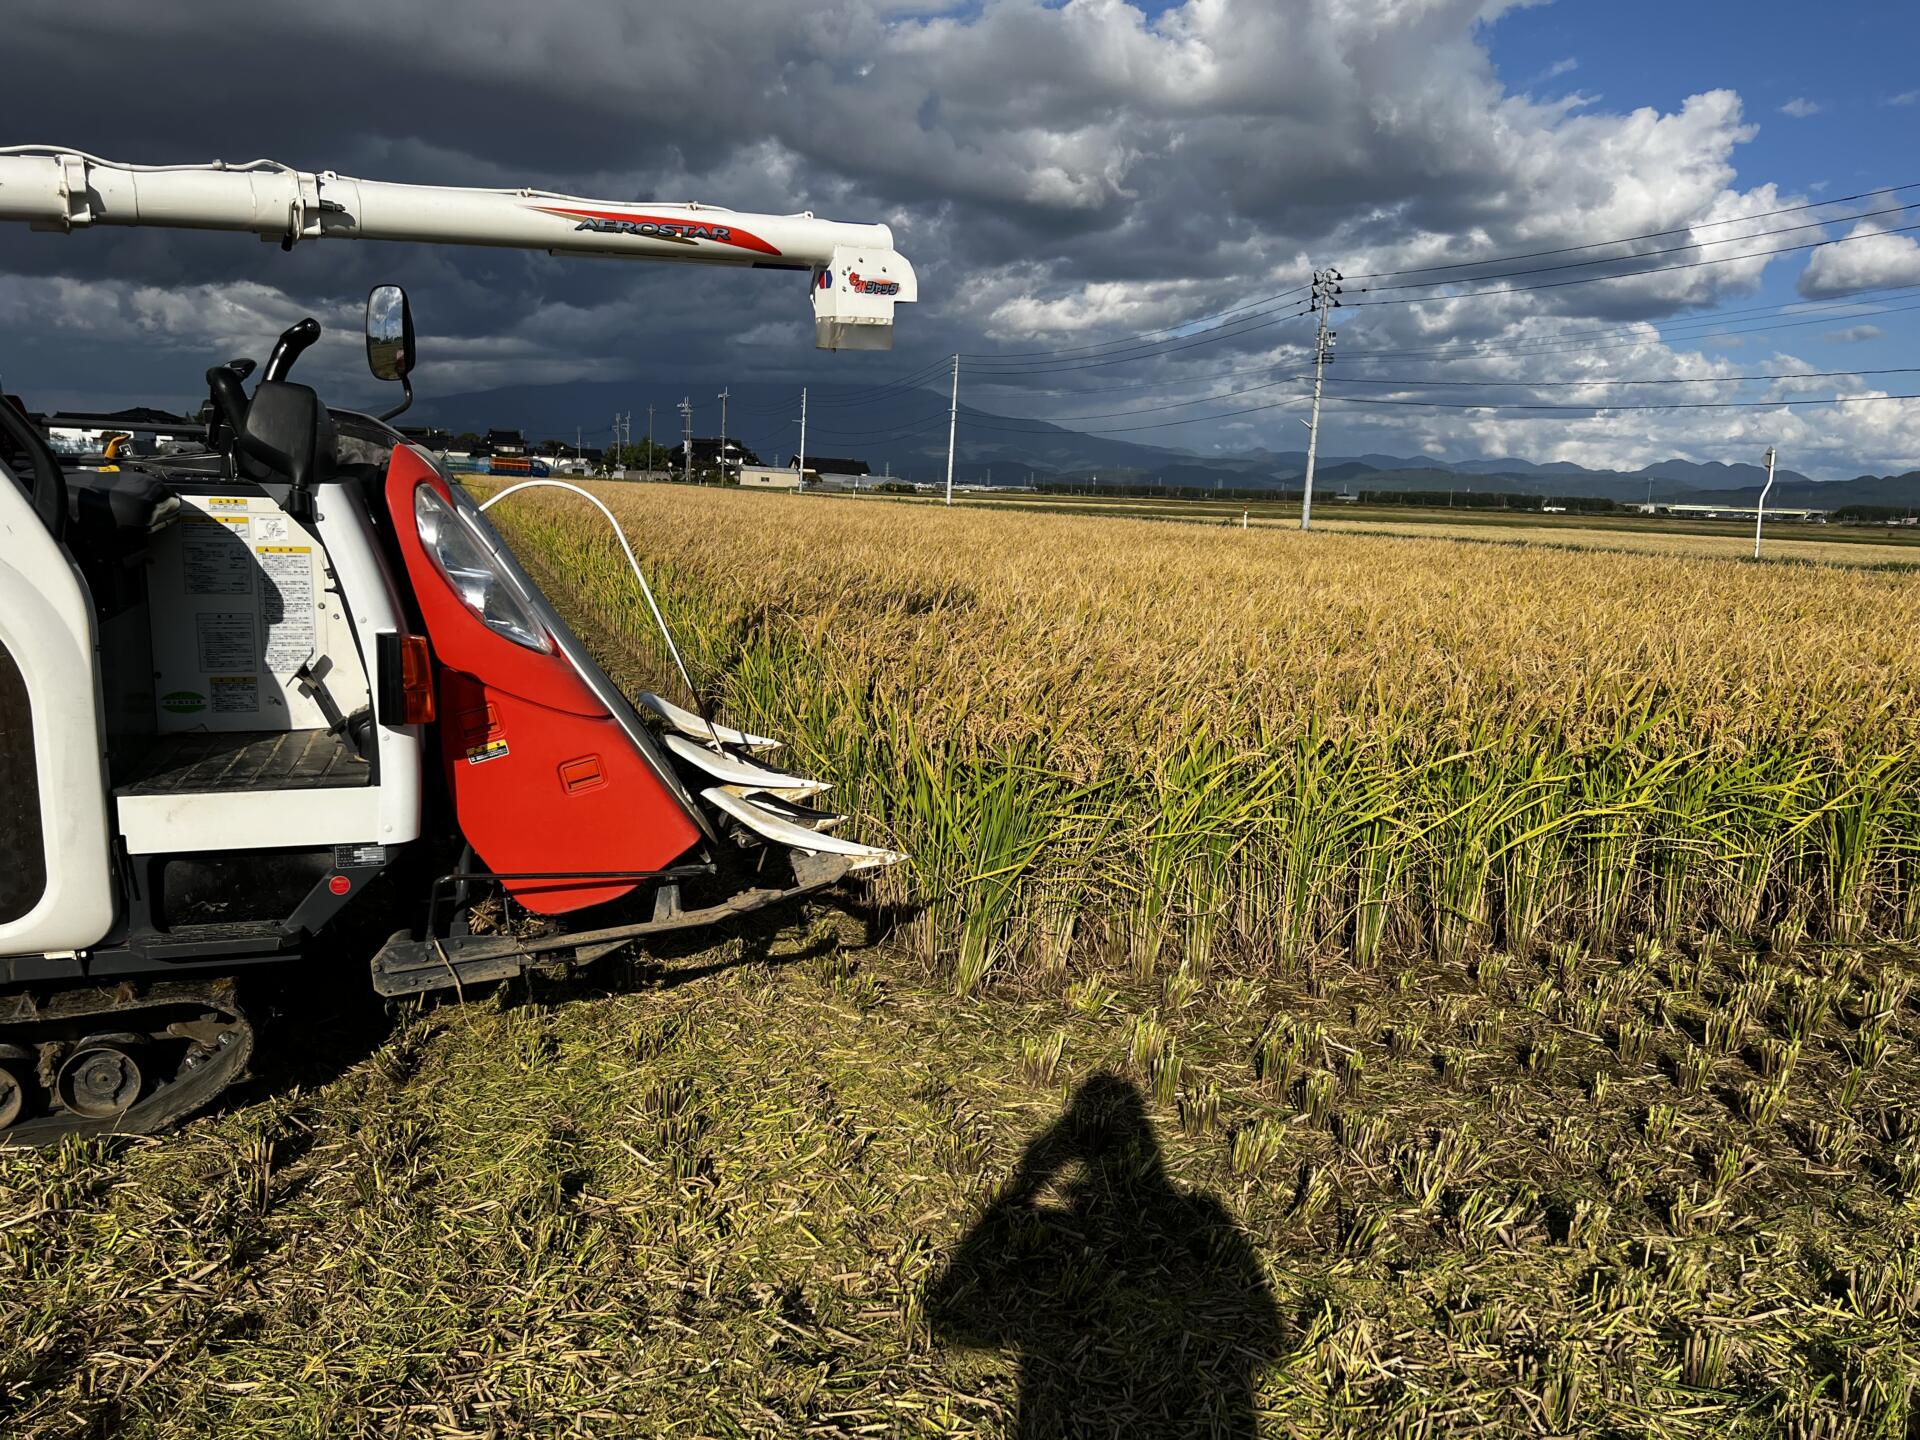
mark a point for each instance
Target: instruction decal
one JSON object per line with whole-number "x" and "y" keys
{"x": 491, "y": 749}
{"x": 225, "y": 639}
{"x": 235, "y": 694}
{"x": 286, "y": 599}
{"x": 214, "y": 554}
{"x": 182, "y": 702}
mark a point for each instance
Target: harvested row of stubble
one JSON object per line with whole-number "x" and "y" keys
{"x": 1129, "y": 742}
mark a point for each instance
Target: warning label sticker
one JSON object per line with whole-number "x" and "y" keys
{"x": 493, "y": 749}
{"x": 225, "y": 640}
{"x": 286, "y": 598}
{"x": 234, "y": 694}
{"x": 214, "y": 555}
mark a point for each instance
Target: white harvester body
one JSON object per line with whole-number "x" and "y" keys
{"x": 279, "y": 655}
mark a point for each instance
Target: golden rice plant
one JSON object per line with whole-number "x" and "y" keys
{"x": 1106, "y": 743}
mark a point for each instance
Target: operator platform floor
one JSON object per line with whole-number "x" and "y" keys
{"x": 204, "y": 762}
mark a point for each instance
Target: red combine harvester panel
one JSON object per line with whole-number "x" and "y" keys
{"x": 542, "y": 777}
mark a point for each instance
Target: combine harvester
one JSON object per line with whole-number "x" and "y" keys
{"x": 240, "y": 684}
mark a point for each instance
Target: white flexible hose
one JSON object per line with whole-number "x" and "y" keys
{"x": 621, "y": 536}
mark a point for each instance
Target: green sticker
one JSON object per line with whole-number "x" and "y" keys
{"x": 183, "y": 702}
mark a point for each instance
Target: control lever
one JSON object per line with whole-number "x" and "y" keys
{"x": 216, "y": 415}
{"x": 356, "y": 729}
{"x": 288, "y": 348}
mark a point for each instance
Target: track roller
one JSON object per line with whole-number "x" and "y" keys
{"x": 100, "y": 1079}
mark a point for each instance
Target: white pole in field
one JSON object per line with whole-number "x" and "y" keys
{"x": 953, "y": 423}
{"x": 1325, "y": 287}
{"x": 686, "y": 425}
{"x": 801, "y": 468}
{"x": 1761, "y": 518}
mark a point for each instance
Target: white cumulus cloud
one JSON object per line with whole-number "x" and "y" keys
{"x": 1799, "y": 108}
{"x": 1870, "y": 259}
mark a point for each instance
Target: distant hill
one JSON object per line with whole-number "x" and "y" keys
{"x": 905, "y": 433}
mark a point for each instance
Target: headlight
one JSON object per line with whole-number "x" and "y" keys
{"x": 470, "y": 570}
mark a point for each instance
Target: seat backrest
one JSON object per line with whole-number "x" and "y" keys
{"x": 34, "y": 465}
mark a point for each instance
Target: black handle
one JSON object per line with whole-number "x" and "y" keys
{"x": 228, "y": 398}
{"x": 288, "y": 348}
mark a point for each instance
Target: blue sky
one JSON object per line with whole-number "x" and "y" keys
{"x": 1853, "y": 64}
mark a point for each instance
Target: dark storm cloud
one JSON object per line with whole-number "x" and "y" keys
{"x": 1057, "y": 173}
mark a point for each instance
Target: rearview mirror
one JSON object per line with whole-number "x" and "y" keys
{"x": 389, "y": 333}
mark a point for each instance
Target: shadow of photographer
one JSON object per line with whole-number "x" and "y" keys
{"x": 1136, "y": 1308}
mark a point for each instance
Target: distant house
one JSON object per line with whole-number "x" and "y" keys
{"x": 769, "y": 477}
{"x": 834, "y": 472}
{"x": 507, "y": 450}
{"x": 438, "y": 441}
{"x": 825, "y": 465}
{"x": 706, "y": 453}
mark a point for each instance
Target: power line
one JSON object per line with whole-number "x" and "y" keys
{"x": 1542, "y": 344}
{"x": 1673, "y": 405}
{"x": 979, "y": 424}
{"x": 1212, "y": 337}
{"x": 923, "y": 424}
{"x": 1632, "y": 274}
{"x": 1609, "y": 380}
{"x": 1128, "y": 339}
{"x": 1572, "y": 339}
{"x": 1469, "y": 405}
{"x": 1649, "y": 235}
{"x": 912, "y": 379}
{"x": 1637, "y": 255}
{"x": 883, "y": 433}
{"x": 1585, "y": 347}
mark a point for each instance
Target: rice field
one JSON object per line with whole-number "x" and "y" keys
{"x": 1834, "y": 544}
{"x": 1346, "y": 987}
{"x": 1109, "y": 745}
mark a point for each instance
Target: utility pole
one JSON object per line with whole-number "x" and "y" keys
{"x": 953, "y": 422}
{"x": 686, "y": 426}
{"x": 649, "y": 438}
{"x": 1326, "y": 285}
{"x": 800, "y": 464}
{"x": 1761, "y": 518}
{"x": 723, "y": 437}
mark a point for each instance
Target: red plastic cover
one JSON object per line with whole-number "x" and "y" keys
{"x": 543, "y": 778}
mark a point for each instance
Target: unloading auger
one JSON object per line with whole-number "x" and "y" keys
{"x": 857, "y": 276}
{"x": 234, "y": 654}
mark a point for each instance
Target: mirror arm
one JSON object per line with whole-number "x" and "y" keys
{"x": 406, "y": 386}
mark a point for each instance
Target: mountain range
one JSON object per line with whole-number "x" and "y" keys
{"x": 905, "y": 433}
